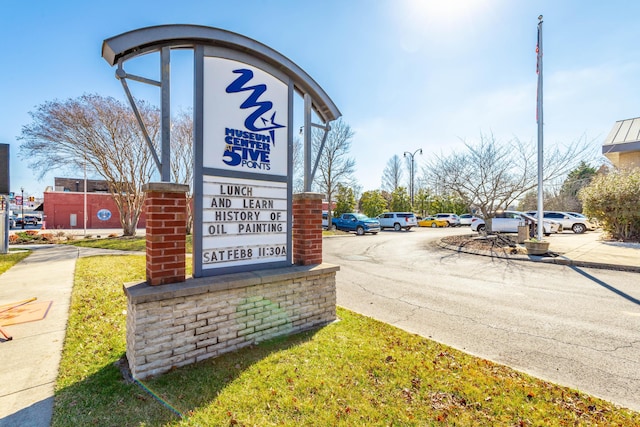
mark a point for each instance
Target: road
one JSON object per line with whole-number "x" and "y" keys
{"x": 573, "y": 326}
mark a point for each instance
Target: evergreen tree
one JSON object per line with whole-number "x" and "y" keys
{"x": 372, "y": 203}
{"x": 345, "y": 200}
{"x": 576, "y": 180}
{"x": 400, "y": 201}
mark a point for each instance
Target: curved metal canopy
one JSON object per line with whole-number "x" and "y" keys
{"x": 150, "y": 39}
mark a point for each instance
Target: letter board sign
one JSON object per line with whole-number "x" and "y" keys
{"x": 243, "y": 185}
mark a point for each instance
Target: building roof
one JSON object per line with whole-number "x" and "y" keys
{"x": 624, "y": 137}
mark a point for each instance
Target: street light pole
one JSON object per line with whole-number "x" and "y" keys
{"x": 411, "y": 156}
{"x": 22, "y": 205}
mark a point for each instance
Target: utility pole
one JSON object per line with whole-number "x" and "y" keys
{"x": 22, "y": 205}
{"x": 411, "y": 156}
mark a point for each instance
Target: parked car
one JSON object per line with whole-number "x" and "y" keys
{"x": 508, "y": 222}
{"x": 28, "y": 219}
{"x": 325, "y": 219}
{"x": 466, "y": 219}
{"x": 434, "y": 222}
{"x": 569, "y": 222}
{"x": 453, "y": 219}
{"x": 397, "y": 220}
{"x": 357, "y": 222}
{"x": 31, "y": 219}
{"x": 577, "y": 214}
{"x": 592, "y": 221}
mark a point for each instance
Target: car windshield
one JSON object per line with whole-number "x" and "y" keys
{"x": 360, "y": 216}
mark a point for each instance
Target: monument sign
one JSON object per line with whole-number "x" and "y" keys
{"x": 243, "y": 183}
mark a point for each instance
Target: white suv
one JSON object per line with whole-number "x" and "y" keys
{"x": 397, "y": 220}
{"x": 451, "y": 218}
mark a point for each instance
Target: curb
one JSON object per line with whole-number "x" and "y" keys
{"x": 559, "y": 260}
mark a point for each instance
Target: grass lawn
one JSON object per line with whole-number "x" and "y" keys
{"x": 355, "y": 372}
{"x": 10, "y": 259}
{"x": 121, "y": 243}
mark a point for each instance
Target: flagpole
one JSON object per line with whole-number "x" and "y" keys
{"x": 540, "y": 134}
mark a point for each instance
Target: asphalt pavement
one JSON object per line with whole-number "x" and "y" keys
{"x": 31, "y": 359}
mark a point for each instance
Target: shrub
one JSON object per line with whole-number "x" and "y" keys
{"x": 29, "y": 236}
{"x": 49, "y": 237}
{"x": 614, "y": 200}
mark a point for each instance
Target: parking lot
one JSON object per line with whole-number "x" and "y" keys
{"x": 571, "y": 325}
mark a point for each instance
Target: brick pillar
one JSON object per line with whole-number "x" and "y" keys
{"x": 307, "y": 228}
{"x": 166, "y": 212}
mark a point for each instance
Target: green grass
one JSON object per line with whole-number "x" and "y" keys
{"x": 121, "y": 243}
{"x": 355, "y": 372}
{"x": 12, "y": 258}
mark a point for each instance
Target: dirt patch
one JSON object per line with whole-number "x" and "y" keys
{"x": 498, "y": 244}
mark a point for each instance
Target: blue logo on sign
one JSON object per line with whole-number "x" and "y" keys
{"x": 104, "y": 214}
{"x": 248, "y": 147}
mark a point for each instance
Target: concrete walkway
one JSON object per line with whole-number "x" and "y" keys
{"x": 30, "y": 361}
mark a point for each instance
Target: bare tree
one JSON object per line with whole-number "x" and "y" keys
{"x": 298, "y": 166}
{"x": 335, "y": 166}
{"x": 492, "y": 176}
{"x": 182, "y": 157}
{"x": 392, "y": 174}
{"x": 104, "y": 133}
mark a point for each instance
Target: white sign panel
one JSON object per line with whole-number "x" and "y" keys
{"x": 245, "y": 112}
{"x": 244, "y": 222}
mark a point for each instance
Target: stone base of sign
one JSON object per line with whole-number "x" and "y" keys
{"x": 182, "y": 323}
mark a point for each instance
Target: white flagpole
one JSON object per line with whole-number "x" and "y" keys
{"x": 540, "y": 134}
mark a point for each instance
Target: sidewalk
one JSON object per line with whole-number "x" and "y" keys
{"x": 30, "y": 360}
{"x": 581, "y": 250}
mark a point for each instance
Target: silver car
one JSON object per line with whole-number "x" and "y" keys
{"x": 508, "y": 222}
{"x": 569, "y": 222}
{"x": 451, "y": 218}
{"x": 466, "y": 219}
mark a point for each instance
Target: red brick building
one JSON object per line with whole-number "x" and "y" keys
{"x": 64, "y": 206}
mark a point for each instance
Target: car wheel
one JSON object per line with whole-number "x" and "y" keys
{"x": 448, "y": 224}
{"x": 481, "y": 228}
{"x": 434, "y": 225}
{"x": 360, "y": 231}
{"x": 397, "y": 227}
{"x": 579, "y": 228}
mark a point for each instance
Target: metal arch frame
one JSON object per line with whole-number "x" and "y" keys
{"x": 163, "y": 38}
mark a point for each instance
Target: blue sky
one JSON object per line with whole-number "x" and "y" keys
{"x": 406, "y": 74}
